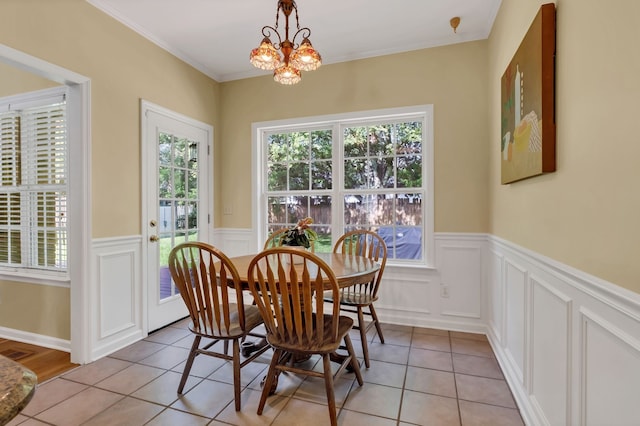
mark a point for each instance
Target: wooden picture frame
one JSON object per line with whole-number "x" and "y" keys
{"x": 528, "y": 127}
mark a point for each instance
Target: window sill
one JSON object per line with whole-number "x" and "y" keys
{"x": 58, "y": 279}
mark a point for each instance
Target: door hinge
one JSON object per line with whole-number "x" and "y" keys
{"x": 208, "y": 218}
{"x": 208, "y": 150}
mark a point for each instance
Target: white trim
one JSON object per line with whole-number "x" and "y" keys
{"x": 79, "y": 116}
{"x": 35, "y": 339}
{"x": 205, "y": 234}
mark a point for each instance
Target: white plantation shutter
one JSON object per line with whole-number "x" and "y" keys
{"x": 34, "y": 185}
{"x": 10, "y": 248}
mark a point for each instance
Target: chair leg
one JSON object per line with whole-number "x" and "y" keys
{"x": 376, "y": 323}
{"x": 236, "y": 372}
{"x": 363, "y": 336}
{"x": 271, "y": 374}
{"x": 354, "y": 361}
{"x": 187, "y": 366}
{"x": 328, "y": 384}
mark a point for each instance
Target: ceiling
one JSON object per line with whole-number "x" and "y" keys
{"x": 216, "y": 36}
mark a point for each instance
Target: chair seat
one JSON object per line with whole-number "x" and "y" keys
{"x": 353, "y": 299}
{"x": 316, "y": 344}
{"x": 252, "y": 319}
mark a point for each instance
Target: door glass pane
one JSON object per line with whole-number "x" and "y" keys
{"x": 178, "y": 201}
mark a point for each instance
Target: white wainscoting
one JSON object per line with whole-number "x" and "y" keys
{"x": 568, "y": 342}
{"x": 116, "y": 293}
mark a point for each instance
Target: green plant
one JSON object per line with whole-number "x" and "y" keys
{"x": 300, "y": 235}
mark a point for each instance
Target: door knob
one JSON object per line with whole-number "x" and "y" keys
{"x": 153, "y": 238}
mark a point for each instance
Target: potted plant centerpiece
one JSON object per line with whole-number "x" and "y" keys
{"x": 301, "y": 235}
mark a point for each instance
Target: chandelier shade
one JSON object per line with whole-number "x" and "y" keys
{"x": 294, "y": 58}
{"x": 265, "y": 57}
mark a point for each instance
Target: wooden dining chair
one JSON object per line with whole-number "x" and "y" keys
{"x": 359, "y": 298}
{"x": 212, "y": 291}
{"x": 275, "y": 238}
{"x": 284, "y": 282}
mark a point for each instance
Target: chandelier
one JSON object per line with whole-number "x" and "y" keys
{"x": 295, "y": 57}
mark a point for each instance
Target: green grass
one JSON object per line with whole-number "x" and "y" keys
{"x": 322, "y": 245}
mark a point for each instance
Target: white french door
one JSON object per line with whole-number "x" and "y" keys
{"x": 177, "y": 204}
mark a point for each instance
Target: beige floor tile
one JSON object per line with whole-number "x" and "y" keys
{"x": 303, "y": 413}
{"x": 80, "y": 407}
{"x": 395, "y": 337}
{"x": 127, "y": 411}
{"x": 164, "y": 389}
{"x": 248, "y": 414}
{"x": 471, "y": 347}
{"x": 352, "y": 418}
{"x": 388, "y": 353}
{"x": 433, "y": 331}
{"x": 96, "y": 371}
{"x": 171, "y": 417}
{"x": 203, "y": 366}
{"x": 474, "y": 414}
{"x": 248, "y": 373}
{"x": 130, "y": 379}
{"x": 137, "y": 351}
{"x": 471, "y": 336}
{"x": 431, "y": 381}
{"x": 313, "y": 389}
{"x": 29, "y": 422}
{"x": 429, "y": 410}
{"x": 432, "y": 342}
{"x": 436, "y": 360}
{"x": 385, "y": 373}
{"x": 288, "y": 383}
{"x": 166, "y": 358}
{"x": 19, "y": 419}
{"x": 477, "y": 366}
{"x": 169, "y": 335}
{"x": 377, "y": 400}
{"x": 51, "y": 393}
{"x": 207, "y": 398}
{"x": 485, "y": 390}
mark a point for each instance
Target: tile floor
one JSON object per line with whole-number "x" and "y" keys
{"x": 418, "y": 377}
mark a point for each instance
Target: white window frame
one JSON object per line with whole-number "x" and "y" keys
{"x": 28, "y": 210}
{"x": 338, "y": 122}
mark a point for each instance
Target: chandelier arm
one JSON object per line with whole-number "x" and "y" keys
{"x": 268, "y": 31}
{"x": 306, "y": 32}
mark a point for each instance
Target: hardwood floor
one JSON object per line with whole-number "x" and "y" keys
{"x": 45, "y": 362}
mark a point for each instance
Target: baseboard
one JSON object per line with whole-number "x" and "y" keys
{"x": 35, "y": 339}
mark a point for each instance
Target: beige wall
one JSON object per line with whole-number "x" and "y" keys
{"x": 586, "y": 213}
{"x": 15, "y": 81}
{"x": 35, "y": 308}
{"x": 123, "y": 68}
{"x": 452, "y": 78}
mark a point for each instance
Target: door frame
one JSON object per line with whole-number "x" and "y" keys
{"x": 145, "y": 107}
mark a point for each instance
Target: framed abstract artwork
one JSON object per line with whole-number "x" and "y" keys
{"x": 528, "y": 127}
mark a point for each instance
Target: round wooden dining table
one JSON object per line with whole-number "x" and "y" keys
{"x": 348, "y": 269}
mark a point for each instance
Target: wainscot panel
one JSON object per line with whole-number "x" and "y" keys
{"x": 569, "y": 343}
{"x": 116, "y": 293}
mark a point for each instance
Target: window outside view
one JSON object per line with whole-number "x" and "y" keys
{"x": 373, "y": 171}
